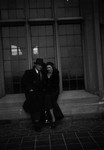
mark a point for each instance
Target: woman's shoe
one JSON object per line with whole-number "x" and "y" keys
{"x": 53, "y": 125}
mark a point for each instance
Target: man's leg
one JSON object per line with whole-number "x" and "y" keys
{"x": 36, "y": 121}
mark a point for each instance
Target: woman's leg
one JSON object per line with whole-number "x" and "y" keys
{"x": 52, "y": 114}
{"x": 53, "y": 123}
{"x": 49, "y": 107}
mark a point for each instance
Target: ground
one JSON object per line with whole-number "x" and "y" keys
{"x": 81, "y": 134}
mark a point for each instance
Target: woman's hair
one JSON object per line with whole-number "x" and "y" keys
{"x": 51, "y": 64}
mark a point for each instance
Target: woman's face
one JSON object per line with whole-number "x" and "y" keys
{"x": 49, "y": 68}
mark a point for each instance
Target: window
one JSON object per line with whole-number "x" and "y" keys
{"x": 41, "y": 28}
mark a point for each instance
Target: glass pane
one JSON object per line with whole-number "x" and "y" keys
{"x": 34, "y": 31}
{"x": 50, "y": 52}
{"x": 5, "y": 32}
{"x": 40, "y": 9}
{"x": 22, "y": 42}
{"x": 62, "y": 40}
{"x": 42, "y": 30}
{"x": 35, "y": 41}
{"x": 4, "y": 14}
{"x": 49, "y": 30}
{"x": 13, "y": 32}
{"x": 7, "y": 66}
{"x": 6, "y": 43}
{"x": 12, "y": 9}
{"x": 12, "y": 14}
{"x": 42, "y": 41}
{"x": 20, "y": 4}
{"x": 21, "y": 31}
{"x": 7, "y": 55}
{"x": 67, "y": 8}
{"x": 20, "y": 14}
{"x": 49, "y": 41}
{"x": 40, "y": 13}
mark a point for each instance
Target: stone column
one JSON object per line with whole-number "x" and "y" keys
{"x": 98, "y": 47}
{"x": 89, "y": 48}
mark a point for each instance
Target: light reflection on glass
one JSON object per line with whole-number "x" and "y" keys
{"x": 15, "y": 50}
{"x": 20, "y": 52}
{"x": 35, "y": 50}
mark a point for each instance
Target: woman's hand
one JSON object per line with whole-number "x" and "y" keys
{"x": 31, "y": 90}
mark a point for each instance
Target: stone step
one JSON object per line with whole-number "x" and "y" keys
{"x": 79, "y": 103}
{"x": 70, "y": 102}
{"x": 78, "y": 96}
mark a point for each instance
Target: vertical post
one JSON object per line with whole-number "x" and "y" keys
{"x": 29, "y": 46}
{"x": 28, "y": 36}
{"x": 58, "y": 55}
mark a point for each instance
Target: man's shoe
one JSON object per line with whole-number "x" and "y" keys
{"x": 37, "y": 129}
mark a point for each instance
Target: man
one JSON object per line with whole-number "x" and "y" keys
{"x": 33, "y": 85}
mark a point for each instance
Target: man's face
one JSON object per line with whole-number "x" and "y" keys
{"x": 38, "y": 67}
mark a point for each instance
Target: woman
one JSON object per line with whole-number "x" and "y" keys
{"x": 52, "y": 92}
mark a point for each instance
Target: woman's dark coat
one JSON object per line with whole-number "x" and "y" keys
{"x": 34, "y": 99}
{"x": 52, "y": 89}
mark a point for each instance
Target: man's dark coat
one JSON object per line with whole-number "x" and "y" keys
{"x": 34, "y": 99}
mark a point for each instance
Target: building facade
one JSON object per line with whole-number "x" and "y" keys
{"x": 70, "y": 33}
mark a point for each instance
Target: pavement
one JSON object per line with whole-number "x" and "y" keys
{"x": 69, "y": 134}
